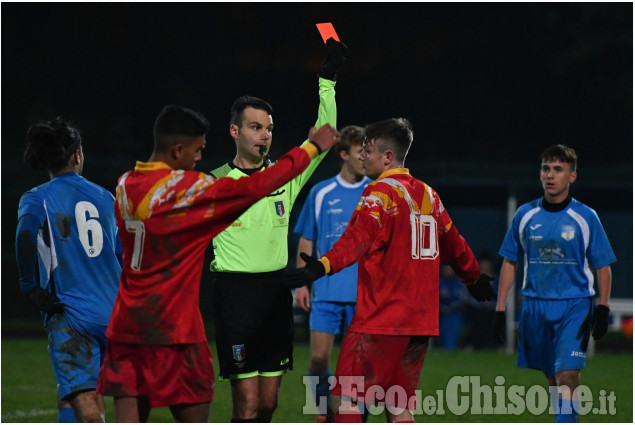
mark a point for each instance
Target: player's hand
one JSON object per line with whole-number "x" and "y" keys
{"x": 482, "y": 289}
{"x": 500, "y": 326}
{"x": 45, "y": 301}
{"x": 303, "y": 276}
{"x": 324, "y": 137}
{"x": 600, "y": 321}
{"x": 303, "y": 298}
{"x": 335, "y": 58}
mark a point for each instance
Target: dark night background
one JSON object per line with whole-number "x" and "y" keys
{"x": 487, "y": 87}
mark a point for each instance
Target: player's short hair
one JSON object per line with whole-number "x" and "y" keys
{"x": 560, "y": 153}
{"x": 175, "y": 122}
{"x": 350, "y": 136}
{"x": 243, "y": 102}
{"x": 396, "y": 134}
{"x": 50, "y": 144}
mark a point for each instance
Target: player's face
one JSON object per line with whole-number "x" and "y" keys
{"x": 352, "y": 161}
{"x": 373, "y": 159}
{"x": 191, "y": 153}
{"x": 556, "y": 176}
{"x": 254, "y": 134}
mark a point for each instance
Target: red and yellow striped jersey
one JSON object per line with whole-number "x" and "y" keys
{"x": 166, "y": 219}
{"x": 399, "y": 234}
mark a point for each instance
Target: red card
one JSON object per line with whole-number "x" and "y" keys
{"x": 327, "y": 31}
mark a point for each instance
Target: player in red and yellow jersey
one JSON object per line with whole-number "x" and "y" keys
{"x": 167, "y": 213}
{"x": 399, "y": 235}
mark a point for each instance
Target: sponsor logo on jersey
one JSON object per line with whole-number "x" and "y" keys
{"x": 535, "y": 226}
{"x": 551, "y": 253}
{"x": 568, "y": 232}
{"x": 333, "y": 202}
{"x": 239, "y": 352}
{"x": 279, "y": 208}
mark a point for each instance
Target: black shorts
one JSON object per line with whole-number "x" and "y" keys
{"x": 254, "y": 324}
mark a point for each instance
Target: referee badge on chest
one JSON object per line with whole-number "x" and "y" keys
{"x": 239, "y": 352}
{"x": 279, "y": 208}
{"x": 568, "y": 232}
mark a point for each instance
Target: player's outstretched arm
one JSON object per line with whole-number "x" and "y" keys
{"x": 231, "y": 197}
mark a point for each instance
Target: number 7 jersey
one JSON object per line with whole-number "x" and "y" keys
{"x": 166, "y": 219}
{"x": 399, "y": 234}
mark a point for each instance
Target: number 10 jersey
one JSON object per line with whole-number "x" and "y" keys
{"x": 399, "y": 234}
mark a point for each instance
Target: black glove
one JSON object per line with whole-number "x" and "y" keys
{"x": 335, "y": 58}
{"x": 44, "y": 301}
{"x": 600, "y": 321}
{"x": 301, "y": 277}
{"x": 482, "y": 290}
{"x": 500, "y": 328}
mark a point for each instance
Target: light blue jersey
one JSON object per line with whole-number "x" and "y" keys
{"x": 324, "y": 216}
{"x": 77, "y": 245}
{"x": 558, "y": 249}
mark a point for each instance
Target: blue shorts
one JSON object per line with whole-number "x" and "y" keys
{"x": 554, "y": 334}
{"x": 331, "y": 317}
{"x": 76, "y": 352}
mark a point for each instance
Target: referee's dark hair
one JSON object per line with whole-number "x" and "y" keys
{"x": 239, "y": 105}
{"x": 176, "y": 122}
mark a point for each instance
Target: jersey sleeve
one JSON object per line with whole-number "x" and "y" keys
{"x": 510, "y": 246}
{"x": 307, "y": 225}
{"x": 456, "y": 253}
{"x": 599, "y": 251}
{"x": 327, "y": 114}
{"x": 26, "y": 250}
{"x": 32, "y": 203}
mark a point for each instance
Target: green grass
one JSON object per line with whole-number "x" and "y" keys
{"x": 28, "y": 388}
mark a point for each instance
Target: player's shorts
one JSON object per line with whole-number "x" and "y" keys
{"x": 166, "y": 374}
{"x": 331, "y": 317}
{"x": 76, "y": 349}
{"x": 254, "y": 324}
{"x": 554, "y": 334}
{"x": 392, "y": 362}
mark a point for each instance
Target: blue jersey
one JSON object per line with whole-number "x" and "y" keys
{"x": 77, "y": 245}
{"x": 558, "y": 249}
{"x": 324, "y": 216}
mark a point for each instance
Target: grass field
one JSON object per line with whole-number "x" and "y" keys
{"x": 28, "y": 388}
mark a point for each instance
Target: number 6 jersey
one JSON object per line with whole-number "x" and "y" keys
{"x": 399, "y": 234}
{"x": 77, "y": 245}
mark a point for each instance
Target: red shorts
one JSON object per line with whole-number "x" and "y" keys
{"x": 380, "y": 368}
{"x": 166, "y": 374}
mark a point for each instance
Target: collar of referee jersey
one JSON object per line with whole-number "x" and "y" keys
{"x": 151, "y": 166}
{"x": 392, "y": 172}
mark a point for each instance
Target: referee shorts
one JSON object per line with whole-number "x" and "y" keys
{"x": 254, "y": 324}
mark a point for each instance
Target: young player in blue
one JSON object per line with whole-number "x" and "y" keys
{"x": 331, "y": 300}
{"x": 67, "y": 226}
{"x": 561, "y": 243}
